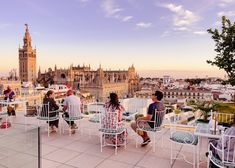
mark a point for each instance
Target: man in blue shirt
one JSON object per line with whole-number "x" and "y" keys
{"x": 157, "y": 105}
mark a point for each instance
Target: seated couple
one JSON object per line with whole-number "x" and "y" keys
{"x": 70, "y": 100}
{"x": 114, "y": 105}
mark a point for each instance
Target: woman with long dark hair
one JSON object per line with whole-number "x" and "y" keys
{"x": 114, "y": 105}
{"x": 49, "y": 98}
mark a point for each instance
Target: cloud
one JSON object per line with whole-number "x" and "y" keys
{"x": 144, "y": 25}
{"x": 226, "y": 13}
{"x": 182, "y": 29}
{"x": 200, "y": 32}
{"x": 4, "y": 25}
{"x": 181, "y": 17}
{"x": 224, "y": 3}
{"x": 127, "y": 18}
{"x": 166, "y": 34}
{"x": 110, "y": 8}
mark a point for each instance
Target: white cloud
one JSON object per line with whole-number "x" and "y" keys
{"x": 127, "y": 18}
{"x": 182, "y": 29}
{"x": 200, "y": 32}
{"x": 110, "y": 7}
{"x": 224, "y": 3}
{"x": 226, "y": 13}
{"x": 4, "y": 25}
{"x": 144, "y": 25}
{"x": 166, "y": 34}
{"x": 181, "y": 17}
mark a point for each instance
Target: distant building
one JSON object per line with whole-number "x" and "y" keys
{"x": 97, "y": 82}
{"x": 15, "y": 85}
{"x": 188, "y": 94}
{"x": 27, "y": 59}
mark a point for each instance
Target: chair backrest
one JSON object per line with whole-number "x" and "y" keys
{"x": 159, "y": 118}
{"x": 109, "y": 120}
{"x": 43, "y": 110}
{"x": 74, "y": 110}
{"x": 228, "y": 149}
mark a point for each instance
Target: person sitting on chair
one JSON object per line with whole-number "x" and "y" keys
{"x": 156, "y": 105}
{"x": 49, "y": 98}
{"x": 71, "y": 100}
{"x": 228, "y": 151}
{"x": 9, "y": 95}
{"x": 111, "y": 106}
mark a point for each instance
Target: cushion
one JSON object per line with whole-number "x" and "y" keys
{"x": 184, "y": 137}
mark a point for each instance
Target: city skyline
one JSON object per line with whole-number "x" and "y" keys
{"x": 158, "y": 36}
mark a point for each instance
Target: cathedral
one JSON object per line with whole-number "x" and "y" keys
{"x": 98, "y": 83}
{"x": 27, "y": 59}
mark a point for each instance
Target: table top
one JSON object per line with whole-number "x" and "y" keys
{"x": 203, "y": 130}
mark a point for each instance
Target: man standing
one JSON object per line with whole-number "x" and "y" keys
{"x": 157, "y": 105}
{"x": 72, "y": 107}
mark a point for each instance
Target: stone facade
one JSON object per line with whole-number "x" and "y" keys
{"x": 98, "y": 82}
{"x": 27, "y": 59}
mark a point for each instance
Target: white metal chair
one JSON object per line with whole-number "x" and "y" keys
{"x": 74, "y": 115}
{"x": 183, "y": 135}
{"x": 3, "y": 112}
{"x": 44, "y": 114}
{"x": 111, "y": 126}
{"x": 225, "y": 155}
{"x": 157, "y": 126}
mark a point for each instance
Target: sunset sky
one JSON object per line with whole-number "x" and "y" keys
{"x": 157, "y": 36}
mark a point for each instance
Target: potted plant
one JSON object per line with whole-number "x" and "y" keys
{"x": 206, "y": 108}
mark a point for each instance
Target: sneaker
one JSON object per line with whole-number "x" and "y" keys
{"x": 146, "y": 142}
{"x": 55, "y": 129}
{"x": 51, "y": 129}
{"x": 75, "y": 126}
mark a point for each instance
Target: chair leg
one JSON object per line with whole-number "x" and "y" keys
{"x": 194, "y": 157}
{"x": 101, "y": 142}
{"x": 171, "y": 154}
{"x": 48, "y": 134}
{"x": 116, "y": 144}
{"x": 154, "y": 142}
{"x": 125, "y": 138}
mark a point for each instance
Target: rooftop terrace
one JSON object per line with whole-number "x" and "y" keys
{"x": 82, "y": 150}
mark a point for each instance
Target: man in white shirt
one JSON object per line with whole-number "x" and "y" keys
{"x": 72, "y": 108}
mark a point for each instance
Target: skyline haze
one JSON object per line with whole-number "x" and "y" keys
{"x": 154, "y": 36}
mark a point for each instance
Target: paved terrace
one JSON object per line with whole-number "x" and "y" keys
{"x": 82, "y": 150}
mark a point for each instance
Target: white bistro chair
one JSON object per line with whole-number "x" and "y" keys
{"x": 74, "y": 115}
{"x": 3, "y": 112}
{"x": 110, "y": 126}
{"x": 182, "y": 135}
{"x": 158, "y": 125}
{"x": 44, "y": 114}
{"x": 224, "y": 156}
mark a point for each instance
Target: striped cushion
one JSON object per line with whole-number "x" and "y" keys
{"x": 3, "y": 113}
{"x": 48, "y": 119}
{"x": 72, "y": 118}
{"x": 120, "y": 130}
{"x": 184, "y": 137}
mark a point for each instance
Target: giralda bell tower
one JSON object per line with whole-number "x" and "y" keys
{"x": 27, "y": 59}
